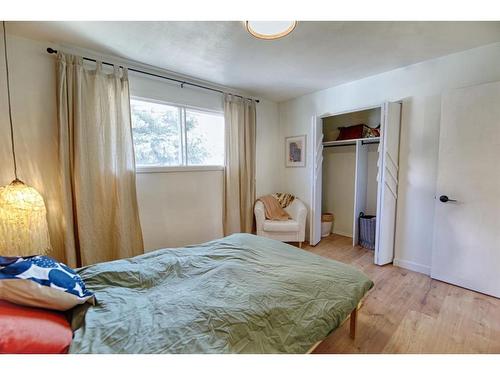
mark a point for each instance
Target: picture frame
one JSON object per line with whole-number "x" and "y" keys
{"x": 295, "y": 151}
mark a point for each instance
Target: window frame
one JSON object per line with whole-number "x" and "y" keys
{"x": 182, "y": 115}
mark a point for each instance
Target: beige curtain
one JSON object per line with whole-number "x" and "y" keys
{"x": 100, "y": 214}
{"x": 239, "y": 175}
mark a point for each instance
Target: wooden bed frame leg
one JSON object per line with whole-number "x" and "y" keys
{"x": 300, "y": 245}
{"x": 353, "y": 320}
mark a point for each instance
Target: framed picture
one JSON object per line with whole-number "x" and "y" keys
{"x": 295, "y": 148}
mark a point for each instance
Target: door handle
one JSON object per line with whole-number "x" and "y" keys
{"x": 444, "y": 199}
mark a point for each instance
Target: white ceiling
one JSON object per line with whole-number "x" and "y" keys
{"x": 315, "y": 56}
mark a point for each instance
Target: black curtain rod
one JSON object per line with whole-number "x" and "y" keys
{"x": 51, "y": 51}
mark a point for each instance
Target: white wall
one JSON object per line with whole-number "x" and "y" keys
{"x": 33, "y": 93}
{"x": 420, "y": 87}
{"x": 339, "y": 167}
{"x": 270, "y": 150}
{"x": 179, "y": 208}
{"x": 167, "y": 202}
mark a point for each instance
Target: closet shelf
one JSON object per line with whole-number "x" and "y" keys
{"x": 350, "y": 142}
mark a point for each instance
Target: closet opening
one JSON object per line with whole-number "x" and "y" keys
{"x": 350, "y": 156}
{"x": 355, "y": 174}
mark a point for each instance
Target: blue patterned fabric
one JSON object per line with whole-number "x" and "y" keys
{"x": 44, "y": 271}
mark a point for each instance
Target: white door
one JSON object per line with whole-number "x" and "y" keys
{"x": 316, "y": 179}
{"x": 466, "y": 246}
{"x": 387, "y": 184}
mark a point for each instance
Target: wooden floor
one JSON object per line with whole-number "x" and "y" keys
{"x": 408, "y": 312}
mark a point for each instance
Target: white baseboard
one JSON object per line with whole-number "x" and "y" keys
{"x": 342, "y": 233}
{"x": 412, "y": 266}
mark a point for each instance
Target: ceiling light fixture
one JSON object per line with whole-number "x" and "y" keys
{"x": 270, "y": 30}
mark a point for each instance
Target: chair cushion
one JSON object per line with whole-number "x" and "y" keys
{"x": 280, "y": 226}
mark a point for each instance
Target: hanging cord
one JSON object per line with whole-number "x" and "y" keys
{"x": 8, "y": 98}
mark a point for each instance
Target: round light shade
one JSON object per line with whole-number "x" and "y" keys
{"x": 23, "y": 221}
{"x": 270, "y": 29}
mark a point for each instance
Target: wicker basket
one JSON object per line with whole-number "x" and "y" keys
{"x": 327, "y": 218}
{"x": 326, "y": 224}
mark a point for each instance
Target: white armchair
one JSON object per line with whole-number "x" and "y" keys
{"x": 292, "y": 230}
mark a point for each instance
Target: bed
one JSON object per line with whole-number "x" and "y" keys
{"x": 239, "y": 294}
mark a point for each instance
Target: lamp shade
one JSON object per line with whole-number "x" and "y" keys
{"x": 23, "y": 221}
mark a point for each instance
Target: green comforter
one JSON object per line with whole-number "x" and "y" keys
{"x": 239, "y": 294}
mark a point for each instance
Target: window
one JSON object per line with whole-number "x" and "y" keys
{"x": 204, "y": 137}
{"x": 167, "y": 135}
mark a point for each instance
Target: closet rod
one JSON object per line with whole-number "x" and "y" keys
{"x": 51, "y": 51}
{"x": 340, "y": 145}
{"x": 352, "y": 144}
